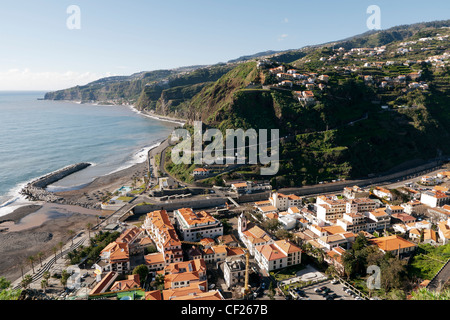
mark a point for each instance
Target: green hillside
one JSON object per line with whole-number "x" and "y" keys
{"x": 347, "y": 109}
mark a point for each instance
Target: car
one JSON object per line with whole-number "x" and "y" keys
{"x": 334, "y": 281}
{"x": 317, "y": 290}
{"x": 323, "y": 288}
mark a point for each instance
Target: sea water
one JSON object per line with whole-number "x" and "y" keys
{"x": 40, "y": 136}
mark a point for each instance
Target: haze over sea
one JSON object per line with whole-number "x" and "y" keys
{"x": 40, "y": 136}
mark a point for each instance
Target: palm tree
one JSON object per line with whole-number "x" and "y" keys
{"x": 61, "y": 245}
{"x": 55, "y": 250}
{"x": 40, "y": 255}
{"x": 44, "y": 284}
{"x": 46, "y": 275}
{"x": 21, "y": 268}
{"x": 31, "y": 260}
{"x": 26, "y": 281}
{"x": 71, "y": 233}
{"x": 89, "y": 228}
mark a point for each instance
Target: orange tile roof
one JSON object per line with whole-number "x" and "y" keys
{"x": 153, "y": 295}
{"x": 391, "y": 243}
{"x": 193, "y": 218}
{"x": 287, "y": 246}
{"x": 271, "y": 252}
{"x": 154, "y": 258}
{"x": 130, "y": 283}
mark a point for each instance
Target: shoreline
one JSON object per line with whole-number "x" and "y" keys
{"x": 41, "y": 225}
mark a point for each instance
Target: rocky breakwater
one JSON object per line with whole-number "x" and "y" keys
{"x": 36, "y": 190}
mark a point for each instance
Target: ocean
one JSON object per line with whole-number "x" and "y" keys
{"x": 38, "y": 137}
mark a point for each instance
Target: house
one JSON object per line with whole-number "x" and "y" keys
{"x": 382, "y": 193}
{"x": 402, "y": 218}
{"x": 434, "y": 198}
{"x": 183, "y": 274}
{"x": 360, "y": 205}
{"x": 282, "y": 202}
{"x": 324, "y": 78}
{"x": 240, "y": 187}
{"x": 233, "y": 271}
{"x": 444, "y": 231}
{"x": 286, "y": 83}
{"x": 116, "y": 257}
{"x": 440, "y": 213}
{"x": 380, "y": 216}
{"x": 412, "y": 206}
{"x": 355, "y": 192}
{"x": 155, "y": 262}
{"x": 194, "y": 226}
{"x": 356, "y": 222}
{"x": 429, "y": 236}
{"x": 336, "y": 240}
{"x": 396, "y": 245}
{"x": 334, "y": 257}
{"x": 277, "y": 255}
{"x": 391, "y": 209}
{"x": 154, "y": 295}
{"x": 132, "y": 282}
{"x": 201, "y": 172}
{"x": 252, "y": 235}
{"x": 228, "y": 240}
{"x": 105, "y": 283}
{"x": 329, "y": 207}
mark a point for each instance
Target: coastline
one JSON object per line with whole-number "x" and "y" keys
{"x": 43, "y": 224}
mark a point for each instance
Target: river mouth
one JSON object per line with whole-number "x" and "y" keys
{"x": 48, "y": 212}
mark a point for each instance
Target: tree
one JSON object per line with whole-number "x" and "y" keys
{"x": 44, "y": 284}
{"x": 64, "y": 277}
{"x": 4, "y": 284}
{"x": 142, "y": 271}
{"x": 89, "y": 228}
{"x": 71, "y": 233}
{"x": 46, "y": 275}
{"x": 392, "y": 272}
{"x": 40, "y": 254}
{"x": 31, "y": 260}
{"x": 61, "y": 245}
{"x": 26, "y": 281}
{"x": 55, "y": 250}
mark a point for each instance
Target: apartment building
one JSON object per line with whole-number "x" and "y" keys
{"x": 277, "y": 255}
{"x": 330, "y": 208}
{"x": 283, "y": 202}
{"x": 194, "y": 226}
{"x": 381, "y": 218}
{"x": 160, "y": 229}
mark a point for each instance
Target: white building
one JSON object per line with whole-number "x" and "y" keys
{"x": 280, "y": 254}
{"x": 194, "y": 226}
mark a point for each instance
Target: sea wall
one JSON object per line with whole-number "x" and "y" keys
{"x": 35, "y": 190}
{"x": 173, "y": 205}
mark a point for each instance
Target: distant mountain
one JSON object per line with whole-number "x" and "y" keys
{"x": 375, "y": 109}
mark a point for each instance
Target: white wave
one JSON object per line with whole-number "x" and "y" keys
{"x": 133, "y": 108}
{"x": 139, "y": 156}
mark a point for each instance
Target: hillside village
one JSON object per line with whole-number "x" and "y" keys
{"x": 371, "y": 65}
{"x": 188, "y": 254}
{"x": 286, "y": 246}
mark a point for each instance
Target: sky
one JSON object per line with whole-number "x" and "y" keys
{"x": 45, "y": 46}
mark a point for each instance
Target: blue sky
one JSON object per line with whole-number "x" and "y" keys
{"x": 39, "y": 52}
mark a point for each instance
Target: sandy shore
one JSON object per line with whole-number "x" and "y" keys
{"x": 40, "y": 227}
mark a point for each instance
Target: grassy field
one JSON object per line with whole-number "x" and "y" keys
{"x": 428, "y": 260}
